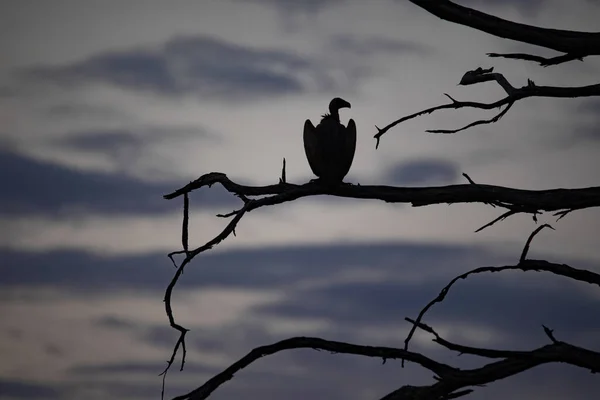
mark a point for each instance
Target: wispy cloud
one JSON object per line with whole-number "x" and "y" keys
{"x": 25, "y": 390}
{"x": 423, "y": 172}
{"x": 40, "y": 187}
{"x": 308, "y": 6}
{"x": 377, "y": 45}
{"x": 357, "y": 293}
{"x": 201, "y": 66}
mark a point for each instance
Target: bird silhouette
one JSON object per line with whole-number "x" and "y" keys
{"x": 330, "y": 145}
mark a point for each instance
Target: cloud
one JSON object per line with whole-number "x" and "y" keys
{"x": 588, "y": 107}
{"x": 259, "y": 268}
{"x": 309, "y": 7}
{"x": 360, "y": 290}
{"x": 202, "y": 66}
{"x": 25, "y": 390}
{"x": 423, "y": 172}
{"x": 368, "y": 284}
{"x": 208, "y": 67}
{"x": 372, "y": 45}
{"x": 129, "y": 140}
{"x": 76, "y": 110}
{"x": 135, "y": 368}
{"x": 40, "y": 187}
{"x": 584, "y": 133}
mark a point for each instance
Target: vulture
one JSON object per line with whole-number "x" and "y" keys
{"x": 330, "y": 145}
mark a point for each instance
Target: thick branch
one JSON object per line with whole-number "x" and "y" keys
{"x": 509, "y": 366}
{"x": 317, "y": 344}
{"x": 531, "y": 200}
{"x": 564, "y": 41}
{"x": 450, "y": 379}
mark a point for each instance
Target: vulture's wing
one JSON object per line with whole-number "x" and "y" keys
{"x": 311, "y": 147}
{"x": 349, "y": 147}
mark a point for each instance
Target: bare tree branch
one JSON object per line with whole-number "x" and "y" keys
{"x": 529, "y": 239}
{"x": 512, "y": 363}
{"x": 384, "y": 353}
{"x": 574, "y": 45}
{"x": 449, "y": 379}
{"x": 564, "y": 41}
{"x": 526, "y": 200}
{"x": 451, "y": 382}
{"x": 543, "y": 61}
{"x": 515, "y": 200}
{"x": 513, "y": 94}
{"x": 526, "y": 265}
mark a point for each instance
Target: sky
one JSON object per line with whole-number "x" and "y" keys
{"x": 107, "y": 106}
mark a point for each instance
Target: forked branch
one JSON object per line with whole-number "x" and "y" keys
{"x": 524, "y": 265}
{"x": 253, "y": 197}
{"x": 449, "y": 380}
{"x": 574, "y": 46}
{"x": 480, "y": 75}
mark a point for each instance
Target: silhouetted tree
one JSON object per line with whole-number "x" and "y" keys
{"x": 451, "y": 382}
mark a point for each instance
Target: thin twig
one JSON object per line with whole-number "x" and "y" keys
{"x": 480, "y": 75}
{"x": 529, "y": 239}
{"x": 543, "y": 61}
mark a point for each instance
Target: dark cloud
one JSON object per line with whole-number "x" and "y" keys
{"x": 584, "y": 133}
{"x": 588, "y": 107}
{"x": 210, "y": 68}
{"x": 76, "y": 110}
{"x": 534, "y": 299}
{"x": 33, "y": 186}
{"x": 135, "y": 368}
{"x": 202, "y": 66}
{"x": 80, "y": 270}
{"x": 373, "y": 45}
{"x": 117, "y": 141}
{"x": 14, "y": 389}
{"x": 513, "y": 304}
{"x": 480, "y": 300}
{"x": 113, "y": 322}
{"x": 309, "y": 7}
{"x": 423, "y": 172}
{"x": 103, "y": 141}
{"x": 251, "y": 268}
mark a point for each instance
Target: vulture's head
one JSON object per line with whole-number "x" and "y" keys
{"x": 336, "y": 104}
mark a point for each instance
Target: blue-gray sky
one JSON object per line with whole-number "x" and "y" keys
{"x": 106, "y": 106}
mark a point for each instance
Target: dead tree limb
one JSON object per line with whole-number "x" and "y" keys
{"x": 543, "y": 61}
{"x": 531, "y": 200}
{"x": 451, "y": 382}
{"x": 449, "y": 379}
{"x": 574, "y": 46}
{"x": 524, "y": 265}
{"x": 480, "y": 75}
{"x": 564, "y": 41}
{"x": 581, "y": 275}
{"x": 253, "y": 197}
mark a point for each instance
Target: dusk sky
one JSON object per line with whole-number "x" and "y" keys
{"x": 105, "y": 106}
